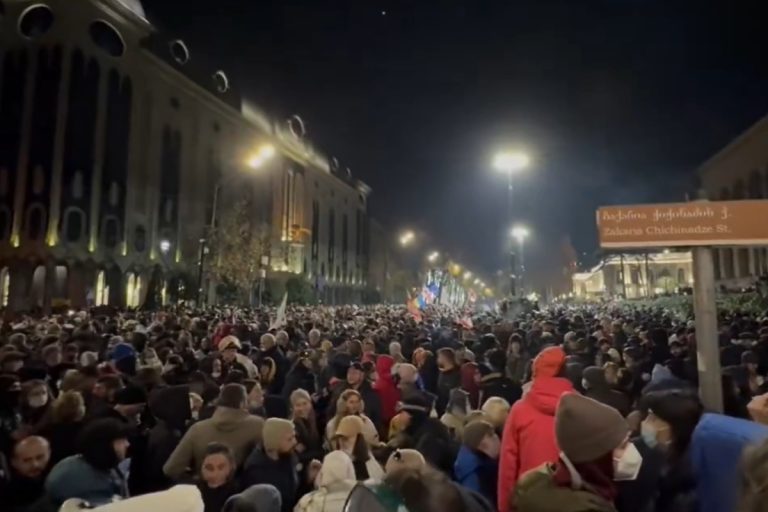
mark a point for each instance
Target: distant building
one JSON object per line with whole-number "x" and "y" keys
{"x": 739, "y": 171}
{"x": 113, "y": 139}
{"x": 635, "y": 276}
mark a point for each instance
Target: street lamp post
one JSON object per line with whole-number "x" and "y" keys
{"x": 510, "y": 162}
{"x": 254, "y": 162}
{"x": 520, "y": 233}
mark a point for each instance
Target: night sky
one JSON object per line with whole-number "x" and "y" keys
{"x": 618, "y": 101}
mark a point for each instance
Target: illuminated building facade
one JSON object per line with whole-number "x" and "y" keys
{"x": 112, "y": 143}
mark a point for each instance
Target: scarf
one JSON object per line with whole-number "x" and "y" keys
{"x": 596, "y": 476}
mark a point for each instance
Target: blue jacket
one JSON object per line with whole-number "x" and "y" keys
{"x": 73, "y": 477}
{"x": 716, "y": 449}
{"x": 477, "y": 472}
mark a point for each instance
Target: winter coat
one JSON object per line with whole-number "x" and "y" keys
{"x": 182, "y": 498}
{"x": 677, "y": 487}
{"x": 610, "y": 397}
{"x": 326, "y": 499}
{"x": 447, "y": 381}
{"x": 73, "y": 477}
{"x": 529, "y": 434}
{"x": 282, "y": 365}
{"x": 718, "y": 443}
{"x": 639, "y": 495}
{"x": 300, "y": 377}
{"x": 19, "y": 493}
{"x": 61, "y": 437}
{"x": 516, "y": 367}
{"x": 282, "y": 473}
{"x": 536, "y": 492}
{"x": 214, "y": 499}
{"x": 495, "y": 384}
{"x": 430, "y": 437}
{"x": 171, "y": 408}
{"x": 386, "y": 388}
{"x": 233, "y": 427}
{"x": 477, "y": 471}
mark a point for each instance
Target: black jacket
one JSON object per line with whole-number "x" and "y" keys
{"x": 282, "y": 365}
{"x": 282, "y": 473}
{"x": 431, "y": 438}
{"x": 62, "y": 438}
{"x": 606, "y": 395}
{"x": 446, "y": 382}
{"x": 300, "y": 377}
{"x": 496, "y": 384}
{"x": 172, "y": 409}
{"x": 639, "y": 495}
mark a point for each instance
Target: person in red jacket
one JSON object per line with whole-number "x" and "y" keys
{"x": 387, "y": 390}
{"x": 529, "y": 440}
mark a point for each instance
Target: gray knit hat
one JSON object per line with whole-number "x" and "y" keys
{"x": 274, "y": 431}
{"x": 586, "y": 429}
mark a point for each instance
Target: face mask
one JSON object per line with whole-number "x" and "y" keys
{"x": 38, "y": 401}
{"x": 584, "y": 384}
{"x": 216, "y": 375}
{"x": 628, "y": 466}
{"x": 195, "y": 415}
{"x": 648, "y": 432}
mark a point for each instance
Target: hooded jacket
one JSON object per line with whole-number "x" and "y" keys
{"x": 477, "y": 472}
{"x": 718, "y": 442}
{"x": 386, "y": 388}
{"x": 529, "y": 434}
{"x": 233, "y": 427}
{"x": 73, "y": 477}
{"x": 335, "y": 482}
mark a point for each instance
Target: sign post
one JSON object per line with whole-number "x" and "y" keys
{"x": 699, "y": 225}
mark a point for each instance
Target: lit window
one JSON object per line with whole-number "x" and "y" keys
{"x": 102, "y": 290}
{"x": 5, "y": 286}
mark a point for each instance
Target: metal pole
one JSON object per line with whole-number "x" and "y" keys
{"x": 512, "y": 265}
{"x": 705, "y": 312}
{"x": 204, "y": 241}
{"x": 521, "y": 277}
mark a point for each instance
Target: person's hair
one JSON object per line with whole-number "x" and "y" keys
{"x": 221, "y": 449}
{"x": 475, "y": 432}
{"x": 68, "y": 407}
{"x": 301, "y": 394}
{"x": 341, "y": 403}
{"x": 681, "y": 411}
{"x": 450, "y": 354}
{"x": 111, "y": 382}
{"x": 96, "y": 443}
{"x": 232, "y": 396}
{"x": 425, "y": 490}
{"x": 754, "y": 478}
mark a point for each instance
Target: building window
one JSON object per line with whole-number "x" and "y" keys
{"x": 179, "y": 51}
{"x": 5, "y": 222}
{"x": 110, "y": 232}
{"x": 133, "y": 287}
{"x": 35, "y": 226}
{"x": 331, "y": 235}
{"x": 681, "y": 276}
{"x": 35, "y": 21}
{"x": 101, "y": 297}
{"x": 74, "y": 225}
{"x": 140, "y": 239}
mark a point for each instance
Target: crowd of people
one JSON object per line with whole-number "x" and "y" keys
{"x": 558, "y": 410}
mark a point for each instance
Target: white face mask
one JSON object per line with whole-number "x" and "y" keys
{"x": 628, "y": 466}
{"x": 38, "y": 401}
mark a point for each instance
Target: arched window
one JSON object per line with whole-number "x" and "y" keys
{"x": 110, "y": 231}
{"x": 35, "y": 222}
{"x": 74, "y": 225}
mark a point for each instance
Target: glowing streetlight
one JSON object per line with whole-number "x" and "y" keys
{"x": 433, "y": 256}
{"x": 406, "y": 238}
{"x": 262, "y": 156}
{"x": 510, "y": 161}
{"x": 165, "y": 246}
{"x": 520, "y": 233}
{"x": 467, "y": 275}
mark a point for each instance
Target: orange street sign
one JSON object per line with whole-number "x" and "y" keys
{"x": 699, "y": 223}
